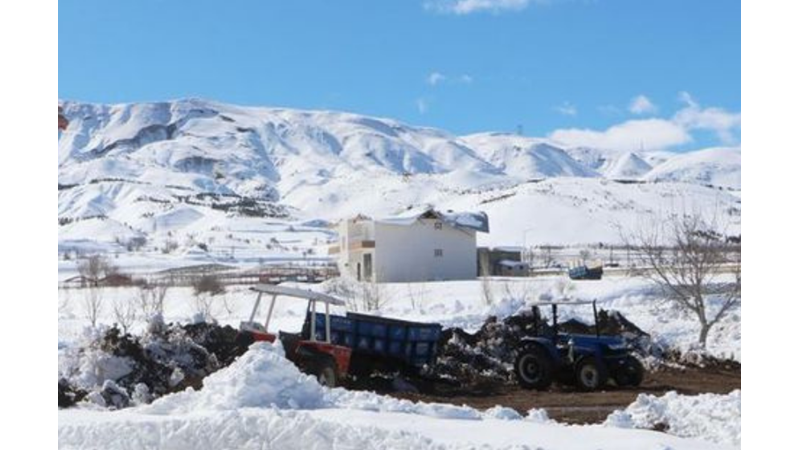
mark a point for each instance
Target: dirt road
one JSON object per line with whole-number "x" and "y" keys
{"x": 570, "y": 406}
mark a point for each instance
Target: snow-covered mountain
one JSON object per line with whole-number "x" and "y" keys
{"x": 628, "y": 166}
{"x": 715, "y": 166}
{"x": 194, "y": 172}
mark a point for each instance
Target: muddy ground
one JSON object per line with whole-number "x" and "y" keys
{"x": 567, "y": 405}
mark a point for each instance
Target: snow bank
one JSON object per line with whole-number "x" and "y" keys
{"x": 261, "y": 378}
{"x": 711, "y": 417}
{"x": 264, "y": 378}
{"x": 244, "y": 430}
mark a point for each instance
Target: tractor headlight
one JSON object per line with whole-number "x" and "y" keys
{"x": 618, "y": 347}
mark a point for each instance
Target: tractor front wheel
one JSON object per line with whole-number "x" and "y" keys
{"x": 590, "y": 375}
{"x": 534, "y": 369}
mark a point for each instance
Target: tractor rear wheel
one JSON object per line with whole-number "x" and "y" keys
{"x": 534, "y": 368}
{"x": 590, "y": 375}
{"x": 631, "y": 374}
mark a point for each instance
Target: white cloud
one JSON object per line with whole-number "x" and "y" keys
{"x": 658, "y": 133}
{"x": 422, "y": 106}
{"x": 436, "y": 78}
{"x": 642, "y": 105}
{"x": 722, "y": 122}
{"x": 651, "y": 134}
{"x": 464, "y": 7}
{"x": 567, "y": 109}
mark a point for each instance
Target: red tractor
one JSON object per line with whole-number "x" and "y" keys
{"x": 311, "y": 350}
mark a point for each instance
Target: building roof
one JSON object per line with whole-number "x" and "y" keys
{"x": 476, "y": 221}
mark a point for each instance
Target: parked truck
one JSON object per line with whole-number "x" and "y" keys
{"x": 334, "y": 348}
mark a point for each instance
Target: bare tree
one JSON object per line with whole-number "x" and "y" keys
{"x": 93, "y": 304}
{"x": 95, "y": 269}
{"x": 693, "y": 266}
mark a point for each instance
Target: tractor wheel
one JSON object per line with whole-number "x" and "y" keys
{"x": 534, "y": 368}
{"x": 325, "y": 373}
{"x": 590, "y": 376}
{"x": 631, "y": 374}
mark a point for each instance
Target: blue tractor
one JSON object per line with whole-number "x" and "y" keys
{"x": 587, "y": 361}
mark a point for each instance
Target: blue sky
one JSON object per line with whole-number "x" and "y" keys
{"x": 624, "y": 73}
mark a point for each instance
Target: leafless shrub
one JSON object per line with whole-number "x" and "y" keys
{"x": 125, "y": 314}
{"x": 169, "y": 246}
{"x": 152, "y": 299}
{"x": 206, "y": 290}
{"x": 373, "y": 297}
{"x": 345, "y": 290}
{"x": 416, "y": 295}
{"x": 208, "y": 284}
{"x": 519, "y": 290}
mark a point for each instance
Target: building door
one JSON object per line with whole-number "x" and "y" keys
{"x": 368, "y": 266}
{"x": 358, "y": 271}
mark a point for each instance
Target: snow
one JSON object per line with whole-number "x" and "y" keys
{"x": 716, "y": 166}
{"x": 141, "y": 171}
{"x": 263, "y": 401}
{"x": 262, "y": 378}
{"x": 172, "y": 185}
{"x": 715, "y": 418}
{"x": 453, "y": 304}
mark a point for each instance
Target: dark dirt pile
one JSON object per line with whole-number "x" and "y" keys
{"x": 168, "y": 358}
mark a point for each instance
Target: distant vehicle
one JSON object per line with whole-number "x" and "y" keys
{"x": 584, "y": 272}
{"x": 587, "y": 361}
{"x": 333, "y": 348}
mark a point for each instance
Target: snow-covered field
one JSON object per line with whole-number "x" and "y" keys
{"x": 453, "y": 304}
{"x": 263, "y": 401}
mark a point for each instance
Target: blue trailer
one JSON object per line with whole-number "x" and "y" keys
{"x": 334, "y": 348}
{"x": 378, "y": 342}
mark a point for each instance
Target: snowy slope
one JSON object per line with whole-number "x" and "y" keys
{"x": 526, "y": 158}
{"x": 629, "y": 166}
{"x": 195, "y": 173}
{"x": 715, "y": 166}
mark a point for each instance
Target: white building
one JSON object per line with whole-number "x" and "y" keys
{"x": 421, "y": 245}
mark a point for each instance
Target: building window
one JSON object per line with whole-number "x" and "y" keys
{"x": 437, "y": 225}
{"x": 438, "y": 253}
